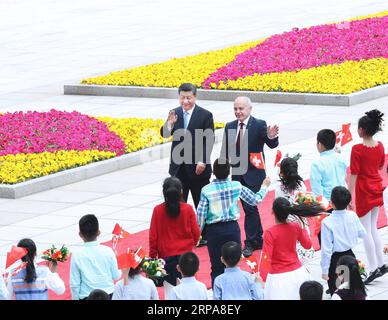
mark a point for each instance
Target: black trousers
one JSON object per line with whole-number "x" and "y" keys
{"x": 333, "y": 265}
{"x": 252, "y": 222}
{"x": 172, "y": 272}
{"x": 217, "y": 235}
{"x": 193, "y": 185}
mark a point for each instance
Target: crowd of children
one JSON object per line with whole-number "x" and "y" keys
{"x": 175, "y": 231}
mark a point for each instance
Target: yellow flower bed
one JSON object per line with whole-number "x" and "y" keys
{"x": 173, "y": 73}
{"x": 21, "y": 167}
{"x": 136, "y": 133}
{"x": 343, "y": 78}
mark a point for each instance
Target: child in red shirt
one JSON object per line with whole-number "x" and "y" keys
{"x": 286, "y": 273}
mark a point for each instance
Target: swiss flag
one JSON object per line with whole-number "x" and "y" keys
{"x": 137, "y": 257}
{"x": 278, "y": 157}
{"x": 120, "y": 232}
{"x": 344, "y": 136}
{"x": 15, "y": 254}
{"x": 257, "y": 160}
{"x": 252, "y": 263}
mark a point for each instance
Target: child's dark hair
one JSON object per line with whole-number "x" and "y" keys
{"x": 282, "y": 209}
{"x": 289, "y": 177}
{"x": 189, "y": 264}
{"x": 221, "y": 168}
{"x": 88, "y": 227}
{"x": 231, "y": 253}
{"x": 133, "y": 272}
{"x": 340, "y": 197}
{"x": 371, "y": 122}
{"x": 311, "y": 290}
{"x": 172, "y": 191}
{"x": 327, "y": 138}
{"x": 98, "y": 294}
{"x": 29, "y": 258}
{"x": 356, "y": 285}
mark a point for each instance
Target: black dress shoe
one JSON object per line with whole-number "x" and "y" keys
{"x": 247, "y": 252}
{"x": 257, "y": 245}
{"x": 383, "y": 269}
{"x": 202, "y": 243}
{"x": 372, "y": 276}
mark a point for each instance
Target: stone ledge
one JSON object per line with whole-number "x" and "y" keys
{"x": 88, "y": 171}
{"x": 230, "y": 95}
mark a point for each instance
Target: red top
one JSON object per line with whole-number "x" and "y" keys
{"x": 365, "y": 162}
{"x": 280, "y": 246}
{"x": 173, "y": 236}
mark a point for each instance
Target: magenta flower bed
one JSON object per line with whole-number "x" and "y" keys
{"x": 34, "y": 132}
{"x": 309, "y": 47}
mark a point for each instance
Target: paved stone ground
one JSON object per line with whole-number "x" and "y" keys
{"x": 45, "y": 44}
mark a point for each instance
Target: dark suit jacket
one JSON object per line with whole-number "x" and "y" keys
{"x": 186, "y": 142}
{"x": 253, "y": 142}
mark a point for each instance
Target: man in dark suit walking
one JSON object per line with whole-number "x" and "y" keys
{"x": 192, "y": 128}
{"x": 243, "y": 141}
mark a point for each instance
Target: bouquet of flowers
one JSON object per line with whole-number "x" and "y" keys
{"x": 55, "y": 255}
{"x": 305, "y": 197}
{"x": 154, "y": 269}
{"x": 361, "y": 269}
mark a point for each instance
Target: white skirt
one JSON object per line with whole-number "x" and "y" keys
{"x": 285, "y": 286}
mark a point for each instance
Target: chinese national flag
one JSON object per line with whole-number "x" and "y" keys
{"x": 15, "y": 254}
{"x": 124, "y": 260}
{"x": 257, "y": 160}
{"x": 347, "y": 135}
{"x": 252, "y": 263}
{"x": 278, "y": 157}
{"x": 265, "y": 265}
{"x": 120, "y": 232}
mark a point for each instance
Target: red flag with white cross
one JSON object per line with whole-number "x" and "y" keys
{"x": 344, "y": 136}
{"x": 252, "y": 263}
{"x": 257, "y": 160}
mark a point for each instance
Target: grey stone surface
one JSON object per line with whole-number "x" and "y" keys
{"x": 231, "y": 95}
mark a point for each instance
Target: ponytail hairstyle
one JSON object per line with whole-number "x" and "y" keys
{"x": 282, "y": 209}
{"x": 372, "y": 122}
{"x": 172, "y": 191}
{"x": 356, "y": 285}
{"x": 29, "y": 258}
{"x": 289, "y": 177}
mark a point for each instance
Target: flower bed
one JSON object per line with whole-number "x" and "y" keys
{"x": 336, "y": 58}
{"x": 35, "y": 144}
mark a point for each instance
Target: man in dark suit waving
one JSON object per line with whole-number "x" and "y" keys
{"x": 192, "y": 128}
{"x": 243, "y": 142}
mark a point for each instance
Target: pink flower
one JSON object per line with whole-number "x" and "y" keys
{"x": 309, "y": 47}
{"x": 33, "y": 132}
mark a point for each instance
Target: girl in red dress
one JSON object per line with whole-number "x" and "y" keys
{"x": 286, "y": 273}
{"x": 366, "y": 159}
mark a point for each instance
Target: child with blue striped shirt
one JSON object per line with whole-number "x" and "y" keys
{"x": 33, "y": 281}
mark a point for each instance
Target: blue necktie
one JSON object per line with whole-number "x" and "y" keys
{"x": 185, "y": 119}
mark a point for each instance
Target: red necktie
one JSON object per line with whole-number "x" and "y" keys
{"x": 239, "y": 137}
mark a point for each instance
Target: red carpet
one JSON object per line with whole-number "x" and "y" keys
{"x": 141, "y": 239}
